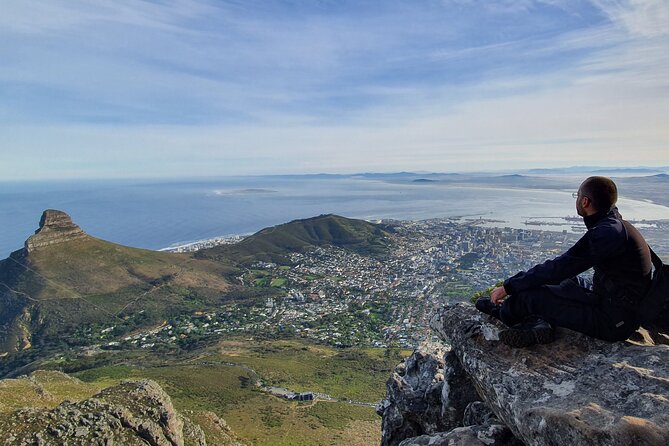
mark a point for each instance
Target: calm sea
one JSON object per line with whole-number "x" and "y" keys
{"x": 159, "y": 214}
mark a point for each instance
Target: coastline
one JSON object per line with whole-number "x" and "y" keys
{"x": 206, "y": 243}
{"x": 179, "y": 217}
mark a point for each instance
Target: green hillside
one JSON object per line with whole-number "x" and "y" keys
{"x": 56, "y": 290}
{"x": 65, "y": 285}
{"x": 64, "y": 280}
{"x": 273, "y": 244}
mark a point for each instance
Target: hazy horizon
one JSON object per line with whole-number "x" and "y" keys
{"x": 560, "y": 171}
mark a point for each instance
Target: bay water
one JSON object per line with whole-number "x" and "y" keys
{"x": 158, "y": 214}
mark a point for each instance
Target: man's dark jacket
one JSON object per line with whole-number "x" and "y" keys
{"x": 615, "y": 250}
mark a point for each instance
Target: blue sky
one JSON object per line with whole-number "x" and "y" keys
{"x": 98, "y": 89}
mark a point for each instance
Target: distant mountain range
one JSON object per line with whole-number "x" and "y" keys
{"x": 64, "y": 280}
{"x": 573, "y": 170}
{"x": 598, "y": 170}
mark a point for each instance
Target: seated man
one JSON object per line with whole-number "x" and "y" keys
{"x": 550, "y": 294}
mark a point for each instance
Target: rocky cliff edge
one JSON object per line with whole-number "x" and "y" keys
{"x": 474, "y": 390}
{"x": 54, "y": 227}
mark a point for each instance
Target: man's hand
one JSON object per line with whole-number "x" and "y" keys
{"x": 497, "y": 295}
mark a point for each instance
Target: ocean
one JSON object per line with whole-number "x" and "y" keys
{"x": 159, "y": 214}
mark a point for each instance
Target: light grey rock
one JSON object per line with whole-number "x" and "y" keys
{"x": 81, "y": 431}
{"x": 575, "y": 391}
{"x": 193, "y": 434}
{"x": 488, "y": 435}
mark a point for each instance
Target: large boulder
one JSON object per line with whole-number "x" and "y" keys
{"x": 576, "y": 390}
{"x": 478, "y": 435}
{"x": 480, "y": 427}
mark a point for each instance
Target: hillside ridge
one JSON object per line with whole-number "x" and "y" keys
{"x": 64, "y": 279}
{"x": 274, "y": 243}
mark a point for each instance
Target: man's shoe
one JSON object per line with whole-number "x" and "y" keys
{"x": 530, "y": 332}
{"x": 485, "y": 305}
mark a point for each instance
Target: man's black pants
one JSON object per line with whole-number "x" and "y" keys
{"x": 571, "y": 304}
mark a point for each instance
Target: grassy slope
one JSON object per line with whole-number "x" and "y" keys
{"x": 204, "y": 384}
{"x": 93, "y": 266}
{"x": 66, "y": 286}
{"x": 357, "y": 374}
{"x": 44, "y": 389}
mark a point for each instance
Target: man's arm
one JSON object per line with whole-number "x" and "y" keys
{"x": 550, "y": 272}
{"x": 547, "y": 273}
{"x": 595, "y": 245}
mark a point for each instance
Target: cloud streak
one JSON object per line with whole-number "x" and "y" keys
{"x": 107, "y": 89}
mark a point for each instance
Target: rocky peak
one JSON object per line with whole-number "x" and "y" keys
{"x": 576, "y": 390}
{"x": 52, "y": 408}
{"x": 54, "y": 227}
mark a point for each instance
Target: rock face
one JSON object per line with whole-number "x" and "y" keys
{"x": 432, "y": 401}
{"x": 132, "y": 413}
{"x": 576, "y": 390}
{"x": 486, "y": 435}
{"x": 54, "y": 227}
{"x": 413, "y": 405}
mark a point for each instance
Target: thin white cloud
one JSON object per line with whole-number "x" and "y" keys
{"x": 647, "y": 18}
{"x": 198, "y": 88}
{"x": 48, "y": 16}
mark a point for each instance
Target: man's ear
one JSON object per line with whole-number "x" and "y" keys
{"x": 587, "y": 203}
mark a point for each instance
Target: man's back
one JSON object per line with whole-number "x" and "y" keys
{"x": 623, "y": 274}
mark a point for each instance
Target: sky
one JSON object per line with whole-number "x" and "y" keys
{"x": 183, "y": 88}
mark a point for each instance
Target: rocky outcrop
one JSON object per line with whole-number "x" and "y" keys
{"x": 485, "y": 435}
{"x": 131, "y": 413}
{"x": 413, "y": 405}
{"x": 54, "y": 227}
{"x": 576, "y": 390}
{"x": 432, "y": 401}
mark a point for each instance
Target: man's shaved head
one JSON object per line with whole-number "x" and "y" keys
{"x": 601, "y": 191}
